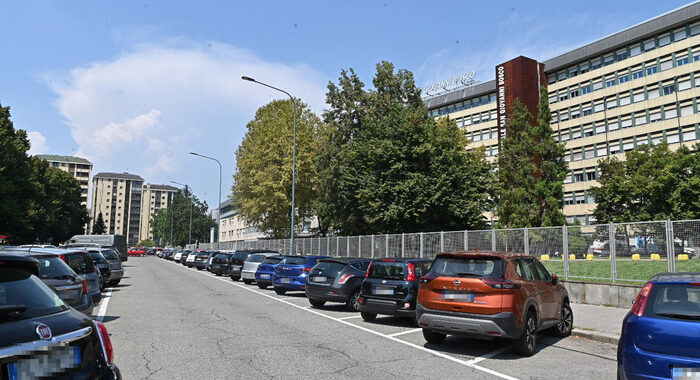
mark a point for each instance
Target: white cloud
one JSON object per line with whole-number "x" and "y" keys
{"x": 37, "y": 143}
{"x": 145, "y": 110}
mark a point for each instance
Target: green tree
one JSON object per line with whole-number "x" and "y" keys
{"x": 180, "y": 209}
{"x": 531, "y": 170}
{"x": 652, "y": 183}
{"x": 146, "y": 243}
{"x": 99, "y": 227}
{"x": 390, "y": 167}
{"x": 262, "y": 189}
{"x": 16, "y": 187}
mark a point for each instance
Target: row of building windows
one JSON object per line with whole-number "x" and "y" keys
{"x": 582, "y": 175}
{"x": 578, "y": 197}
{"x": 464, "y": 105}
{"x": 621, "y": 54}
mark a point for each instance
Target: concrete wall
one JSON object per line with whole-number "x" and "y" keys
{"x": 602, "y": 294}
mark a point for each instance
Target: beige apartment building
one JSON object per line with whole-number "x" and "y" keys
{"x": 153, "y": 198}
{"x": 79, "y": 168}
{"x": 635, "y": 87}
{"x": 234, "y": 228}
{"x": 118, "y": 197}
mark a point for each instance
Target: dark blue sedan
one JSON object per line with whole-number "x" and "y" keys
{"x": 661, "y": 334}
{"x": 291, "y": 273}
{"x": 265, "y": 271}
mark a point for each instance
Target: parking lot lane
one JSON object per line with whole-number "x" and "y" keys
{"x": 168, "y": 321}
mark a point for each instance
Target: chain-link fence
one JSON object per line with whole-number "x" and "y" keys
{"x": 621, "y": 252}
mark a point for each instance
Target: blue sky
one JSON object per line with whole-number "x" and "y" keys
{"x": 136, "y": 85}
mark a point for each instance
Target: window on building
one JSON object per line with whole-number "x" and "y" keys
{"x": 611, "y": 103}
{"x": 583, "y": 68}
{"x": 669, "y": 89}
{"x": 587, "y": 110}
{"x": 563, "y": 96}
{"x": 695, "y": 29}
{"x": 573, "y": 93}
{"x": 664, "y": 39}
{"x": 613, "y": 125}
{"x": 624, "y": 100}
{"x": 600, "y": 128}
{"x": 585, "y": 89}
{"x": 587, "y": 130}
{"x": 608, "y": 59}
{"x": 610, "y": 83}
{"x": 635, "y": 50}
{"x": 637, "y": 74}
{"x": 569, "y": 199}
{"x": 655, "y": 116}
{"x": 665, "y": 65}
{"x": 679, "y": 34}
{"x": 672, "y": 138}
{"x": 649, "y": 45}
{"x": 602, "y": 151}
{"x": 653, "y": 92}
{"x": 686, "y": 109}
{"x": 682, "y": 61}
{"x": 595, "y": 64}
{"x": 578, "y": 177}
{"x": 597, "y": 85}
{"x": 684, "y": 84}
{"x": 689, "y": 134}
{"x": 640, "y": 119}
{"x": 628, "y": 145}
{"x": 638, "y": 96}
{"x": 598, "y": 107}
{"x": 621, "y": 54}
{"x": 575, "y": 114}
{"x": 614, "y": 148}
{"x": 670, "y": 112}
{"x": 626, "y": 122}
{"x": 623, "y": 79}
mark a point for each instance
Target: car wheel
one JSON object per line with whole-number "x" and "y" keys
{"x": 566, "y": 322}
{"x": 368, "y": 316}
{"x": 262, "y": 286}
{"x": 116, "y": 282}
{"x": 247, "y": 282}
{"x": 316, "y": 303}
{"x": 353, "y": 303}
{"x": 433, "y": 337}
{"x": 198, "y": 268}
{"x": 235, "y": 278}
{"x": 526, "y": 344}
{"x": 280, "y": 291}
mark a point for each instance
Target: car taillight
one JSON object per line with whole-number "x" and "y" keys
{"x": 107, "y": 348}
{"x": 368, "y": 268}
{"x": 63, "y": 257}
{"x": 84, "y": 286}
{"x": 641, "y": 302}
{"x": 426, "y": 279}
{"x": 306, "y": 269}
{"x": 500, "y": 283}
{"x": 345, "y": 278}
{"x": 695, "y": 284}
{"x": 411, "y": 272}
{"x": 389, "y": 260}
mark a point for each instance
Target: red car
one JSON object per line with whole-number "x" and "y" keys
{"x": 136, "y": 251}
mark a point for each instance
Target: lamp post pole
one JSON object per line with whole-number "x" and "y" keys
{"x": 189, "y": 241}
{"x": 294, "y": 155}
{"x": 218, "y": 206}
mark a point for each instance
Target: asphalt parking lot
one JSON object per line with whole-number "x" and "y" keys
{"x": 168, "y": 321}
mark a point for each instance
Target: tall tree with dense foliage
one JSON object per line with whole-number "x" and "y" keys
{"x": 393, "y": 168}
{"x": 652, "y": 183}
{"x": 531, "y": 170}
{"x": 99, "y": 227}
{"x": 262, "y": 189}
{"x": 179, "y": 210}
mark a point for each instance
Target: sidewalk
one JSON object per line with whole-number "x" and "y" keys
{"x": 600, "y": 323}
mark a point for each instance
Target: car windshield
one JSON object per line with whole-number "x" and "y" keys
{"x": 52, "y": 267}
{"x": 240, "y": 255}
{"x": 272, "y": 260}
{"x": 24, "y": 296}
{"x": 390, "y": 270}
{"x": 80, "y": 262}
{"x": 99, "y": 259}
{"x": 256, "y": 258}
{"x": 294, "y": 260}
{"x": 675, "y": 301}
{"x": 483, "y": 267}
{"x": 328, "y": 268}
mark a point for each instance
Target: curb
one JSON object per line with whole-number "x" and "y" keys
{"x": 598, "y": 336}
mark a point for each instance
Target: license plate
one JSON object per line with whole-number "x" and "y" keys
{"x": 45, "y": 364}
{"x": 685, "y": 373}
{"x": 457, "y": 296}
{"x": 264, "y": 276}
{"x": 382, "y": 291}
{"x": 318, "y": 279}
{"x": 286, "y": 280}
{"x": 236, "y": 267}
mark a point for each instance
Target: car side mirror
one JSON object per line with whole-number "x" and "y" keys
{"x": 555, "y": 279}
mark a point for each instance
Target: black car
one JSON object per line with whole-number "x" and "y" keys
{"x": 391, "y": 287}
{"x": 103, "y": 266}
{"x": 235, "y": 266}
{"x": 337, "y": 280}
{"x": 115, "y": 265}
{"x": 200, "y": 260}
{"x": 41, "y": 335}
{"x": 183, "y": 258}
{"x": 220, "y": 263}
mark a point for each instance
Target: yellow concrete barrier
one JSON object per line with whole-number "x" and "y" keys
{"x": 589, "y": 257}
{"x": 572, "y": 257}
{"x": 683, "y": 257}
{"x": 636, "y": 256}
{"x": 655, "y": 256}
{"x": 544, "y": 257}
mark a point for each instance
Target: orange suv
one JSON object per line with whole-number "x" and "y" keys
{"x": 492, "y": 295}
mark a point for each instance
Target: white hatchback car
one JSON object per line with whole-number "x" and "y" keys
{"x": 250, "y": 266}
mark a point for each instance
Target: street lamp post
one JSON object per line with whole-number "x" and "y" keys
{"x": 294, "y": 155}
{"x": 189, "y": 241}
{"x": 218, "y": 207}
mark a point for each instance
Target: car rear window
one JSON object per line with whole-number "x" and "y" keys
{"x": 272, "y": 260}
{"x": 255, "y": 258}
{"x": 24, "y": 296}
{"x": 240, "y": 255}
{"x": 222, "y": 256}
{"x": 81, "y": 263}
{"x": 110, "y": 255}
{"x": 390, "y": 270}
{"x": 52, "y": 267}
{"x": 675, "y": 301}
{"x": 98, "y": 257}
{"x": 482, "y": 267}
{"x": 294, "y": 260}
{"x": 328, "y": 268}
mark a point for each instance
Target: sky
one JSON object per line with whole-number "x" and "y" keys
{"x": 135, "y": 86}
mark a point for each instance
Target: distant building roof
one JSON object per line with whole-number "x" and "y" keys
{"x": 226, "y": 203}
{"x": 161, "y": 187}
{"x": 57, "y": 158}
{"x": 119, "y": 176}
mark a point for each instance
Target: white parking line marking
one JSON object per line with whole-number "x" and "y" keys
{"x": 351, "y": 317}
{"x": 489, "y": 355}
{"x": 468, "y": 363}
{"x": 405, "y": 332}
{"x": 106, "y": 296}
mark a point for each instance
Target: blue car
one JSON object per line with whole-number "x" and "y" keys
{"x": 265, "y": 271}
{"x": 661, "y": 334}
{"x": 291, "y": 273}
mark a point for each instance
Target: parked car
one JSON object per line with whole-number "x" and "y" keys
{"x": 265, "y": 271}
{"x": 238, "y": 260}
{"x": 178, "y": 255}
{"x": 103, "y": 266}
{"x": 250, "y": 266}
{"x": 136, "y": 251}
{"x": 622, "y": 248}
{"x": 659, "y": 338}
{"x": 390, "y": 287}
{"x": 291, "y": 273}
{"x": 184, "y": 256}
{"x": 36, "y": 325}
{"x": 115, "y": 265}
{"x": 210, "y": 258}
{"x": 55, "y": 273}
{"x": 81, "y": 262}
{"x": 492, "y": 295}
{"x": 189, "y": 261}
{"x": 220, "y": 263}
{"x": 337, "y": 280}
{"x": 200, "y": 260}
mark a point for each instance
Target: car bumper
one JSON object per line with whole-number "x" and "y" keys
{"x": 326, "y": 293}
{"x": 96, "y": 297}
{"x": 218, "y": 269}
{"x": 388, "y": 307}
{"x": 296, "y": 283}
{"x": 113, "y": 373}
{"x": 117, "y": 275}
{"x": 263, "y": 280}
{"x": 235, "y": 272}
{"x": 476, "y": 325}
{"x": 200, "y": 265}
{"x": 248, "y": 275}
{"x": 635, "y": 364}
{"x": 84, "y": 305}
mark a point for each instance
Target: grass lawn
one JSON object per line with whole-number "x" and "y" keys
{"x": 627, "y": 269}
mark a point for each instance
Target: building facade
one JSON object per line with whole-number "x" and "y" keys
{"x": 635, "y": 87}
{"x": 118, "y": 197}
{"x": 233, "y": 228}
{"x": 153, "y": 198}
{"x": 79, "y": 168}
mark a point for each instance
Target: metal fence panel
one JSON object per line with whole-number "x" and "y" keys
{"x": 686, "y": 245}
{"x": 395, "y": 246}
{"x": 412, "y": 245}
{"x": 453, "y": 241}
{"x": 431, "y": 244}
{"x": 511, "y": 240}
{"x": 479, "y": 240}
